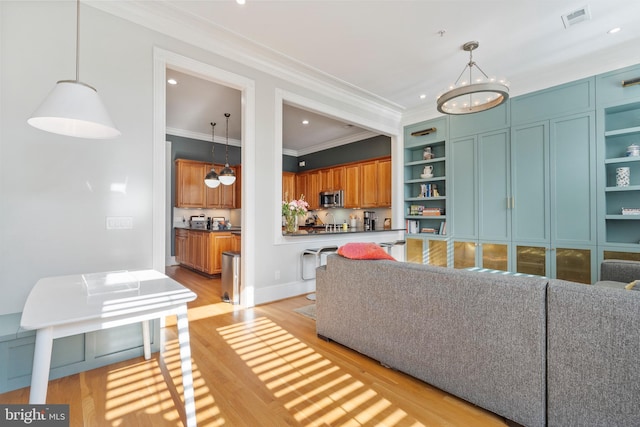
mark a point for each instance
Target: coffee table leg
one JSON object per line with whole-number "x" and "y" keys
{"x": 185, "y": 360}
{"x": 41, "y": 366}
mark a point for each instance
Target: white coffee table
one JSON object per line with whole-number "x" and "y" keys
{"x": 61, "y": 306}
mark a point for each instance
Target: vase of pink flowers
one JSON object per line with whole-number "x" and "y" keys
{"x": 292, "y": 211}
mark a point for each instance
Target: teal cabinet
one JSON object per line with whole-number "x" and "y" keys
{"x": 571, "y": 98}
{"x": 480, "y": 200}
{"x": 530, "y": 182}
{"x": 554, "y": 197}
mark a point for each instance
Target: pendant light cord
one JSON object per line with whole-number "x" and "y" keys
{"x": 213, "y": 145}
{"x": 77, "y": 40}
{"x": 226, "y": 155}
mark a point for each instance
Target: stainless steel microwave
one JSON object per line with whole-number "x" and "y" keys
{"x": 332, "y": 199}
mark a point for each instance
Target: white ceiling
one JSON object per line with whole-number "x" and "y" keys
{"x": 392, "y": 51}
{"x": 193, "y": 104}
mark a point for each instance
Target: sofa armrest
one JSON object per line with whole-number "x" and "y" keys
{"x": 620, "y": 270}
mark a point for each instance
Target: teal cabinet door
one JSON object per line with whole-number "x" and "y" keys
{"x": 530, "y": 183}
{"x": 494, "y": 214}
{"x": 464, "y": 203}
{"x": 573, "y": 193}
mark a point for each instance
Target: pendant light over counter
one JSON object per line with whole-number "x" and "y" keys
{"x": 227, "y": 176}
{"x": 73, "y": 108}
{"x": 211, "y": 180}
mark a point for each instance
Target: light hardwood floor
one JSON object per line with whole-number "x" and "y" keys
{"x": 263, "y": 366}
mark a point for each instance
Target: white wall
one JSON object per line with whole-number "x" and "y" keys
{"x": 55, "y": 191}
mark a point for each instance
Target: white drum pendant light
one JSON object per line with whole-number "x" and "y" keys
{"x": 227, "y": 176}
{"x": 473, "y": 96}
{"x": 74, "y": 108}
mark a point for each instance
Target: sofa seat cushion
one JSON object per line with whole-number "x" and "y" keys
{"x": 618, "y": 285}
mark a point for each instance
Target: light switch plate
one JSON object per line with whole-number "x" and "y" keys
{"x": 119, "y": 223}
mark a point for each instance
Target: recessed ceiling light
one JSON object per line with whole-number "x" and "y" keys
{"x": 305, "y": 122}
{"x": 614, "y": 30}
{"x": 172, "y": 81}
{"x": 240, "y": 1}
{"x": 423, "y": 96}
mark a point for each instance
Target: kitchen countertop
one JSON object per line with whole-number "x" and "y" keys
{"x": 233, "y": 230}
{"x": 311, "y": 231}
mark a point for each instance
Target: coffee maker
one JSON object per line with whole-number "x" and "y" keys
{"x": 369, "y": 220}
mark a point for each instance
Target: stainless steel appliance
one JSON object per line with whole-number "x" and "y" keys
{"x": 199, "y": 222}
{"x": 369, "y": 220}
{"x": 332, "y": 199}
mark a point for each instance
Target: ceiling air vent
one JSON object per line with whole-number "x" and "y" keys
{"x": 576, "y": 17}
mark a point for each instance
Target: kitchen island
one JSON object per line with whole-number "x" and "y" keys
{"x": 201, "y": 249}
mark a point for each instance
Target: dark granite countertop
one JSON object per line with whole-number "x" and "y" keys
{"x": 312, "y": 231}
{"x": 233, "y": 230}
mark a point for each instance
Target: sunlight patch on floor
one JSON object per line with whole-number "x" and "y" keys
{"x": 312, "y": 388}
{"x": 142, "y": 388}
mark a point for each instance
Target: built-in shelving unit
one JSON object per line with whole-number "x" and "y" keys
{"x": 622, "y": 128}
{"x": 425, "y": 198}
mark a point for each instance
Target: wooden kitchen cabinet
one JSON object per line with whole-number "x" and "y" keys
{"x": 338, "y": 181}
{"x": 223, "y": 196}
{"x": 313, "y": 189}
{"x": 238, "y": 187}
{"x": 352, "y": 186}
{"x": 301, "y": 186}
{"x": 369, "y": 186}
{"x": 384, "y": 182}
{"x": 190, "y": 188}
{"x": 197, "y": 252}
{"x": 325, "y": 180}
{"x": 202, "y": 250}
{"x": 288, "y": 186}
{"x": 236, "y": 242}
{"x": 218, "y": 243}
{"x": 376, "y": 183}
{"x": 180, "y": 248}
{"x": 191, "y": 191}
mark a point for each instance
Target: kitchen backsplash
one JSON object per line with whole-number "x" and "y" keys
{"x": 181, "y": 216}
{"x": 341, "y": 215}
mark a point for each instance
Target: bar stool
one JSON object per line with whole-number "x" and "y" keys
{"x": 317, "y": 253}
{"x": 388, "y": 245}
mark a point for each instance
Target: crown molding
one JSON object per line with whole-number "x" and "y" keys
{"x": 336, "y": 142}
{"x": 202, "y": 136}
{"x": 170, "y": 20}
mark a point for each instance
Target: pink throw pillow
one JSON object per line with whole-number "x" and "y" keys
{"x": 363, "y": 251}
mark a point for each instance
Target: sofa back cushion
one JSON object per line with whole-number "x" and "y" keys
{"x": 479, "y": 336}
{"x": 593, "y": 346}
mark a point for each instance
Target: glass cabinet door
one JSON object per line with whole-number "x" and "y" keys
{"x": 573, "y": 264}
{"x": 437, "y": 253}
{"x": 495, "y": 256}
{"x": 415, "y": 250}
{"x": 531, "y": 260}
{"x": 464, "y": 254}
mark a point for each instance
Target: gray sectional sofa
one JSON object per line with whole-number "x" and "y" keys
{"x": 536, "y": 351}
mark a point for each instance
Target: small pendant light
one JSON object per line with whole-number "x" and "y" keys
{"x": 227, "y": 176}
{"x": 73, "y": 108}
{"x": 211, "y": 180}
